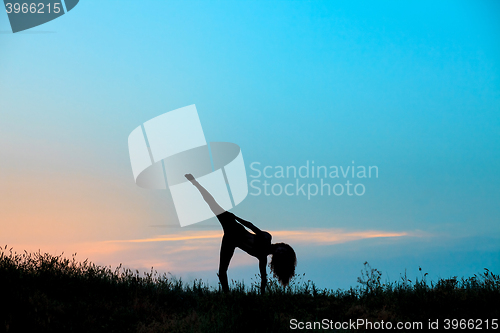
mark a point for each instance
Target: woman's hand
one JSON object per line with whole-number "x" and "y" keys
{"x": 189, "y": 177}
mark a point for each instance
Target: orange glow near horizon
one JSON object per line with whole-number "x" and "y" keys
{"x": 195, "y": 250}
{"x": 328, "y": 236}
{"x": 100, "y": 220}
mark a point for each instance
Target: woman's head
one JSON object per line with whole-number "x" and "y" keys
{"x": 283, "y": 262}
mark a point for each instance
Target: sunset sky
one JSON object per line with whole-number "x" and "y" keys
{"x": 412, "y": 88}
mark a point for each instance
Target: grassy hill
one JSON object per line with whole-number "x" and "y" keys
{"x": 45, "y": 293}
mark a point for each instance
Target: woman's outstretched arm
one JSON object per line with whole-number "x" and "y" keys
{"x": 248, "y": 224}
{"x": 214, "y": 206}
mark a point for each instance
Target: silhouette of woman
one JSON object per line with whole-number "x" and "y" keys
{"x": 257, "y": 244}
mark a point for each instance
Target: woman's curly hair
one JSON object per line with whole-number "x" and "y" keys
{"x": 283, "y": 262}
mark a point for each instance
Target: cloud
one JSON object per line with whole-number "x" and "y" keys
{"x": 195, "y": 250}
{"x": 323, "y": 236}
{"x": 187, "y": 251}
{"x": 331, "y": 236}
{"x": 179, "y": 237}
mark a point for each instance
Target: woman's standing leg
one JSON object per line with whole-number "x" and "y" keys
{"x": 226, "y": 253}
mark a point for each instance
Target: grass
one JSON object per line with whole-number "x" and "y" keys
{"x": 46, "y": 293}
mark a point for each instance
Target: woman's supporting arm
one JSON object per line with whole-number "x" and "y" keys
{"x": 263, "y": 274}
{"x": 209, "y": 199}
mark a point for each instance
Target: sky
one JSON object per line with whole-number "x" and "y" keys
{"x": 411, "y": 88}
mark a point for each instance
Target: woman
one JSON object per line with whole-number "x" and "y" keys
{"x": 257, "y": 244}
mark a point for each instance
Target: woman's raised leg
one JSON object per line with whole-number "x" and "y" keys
{"x": 209, "y": 199}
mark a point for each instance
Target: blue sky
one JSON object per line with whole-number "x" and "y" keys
{"x": 413, "y": 88}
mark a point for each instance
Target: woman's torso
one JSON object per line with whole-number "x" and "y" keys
{"x": 256, "y": 245}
